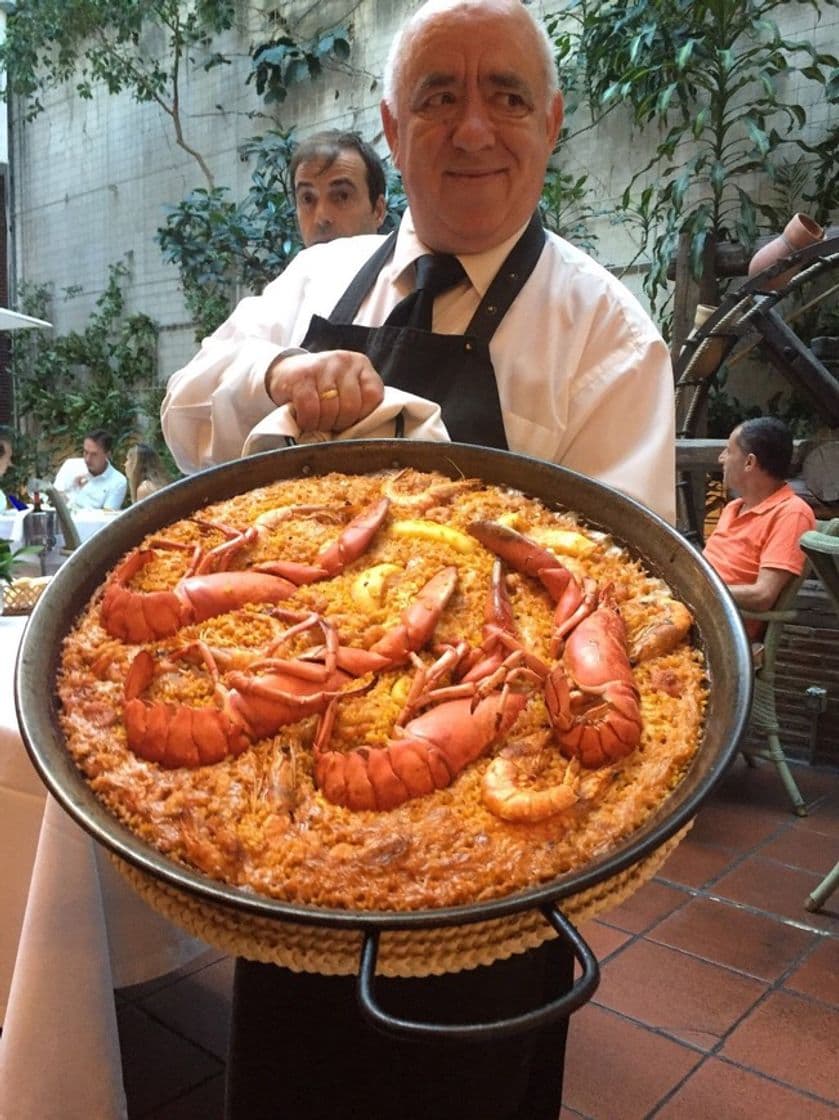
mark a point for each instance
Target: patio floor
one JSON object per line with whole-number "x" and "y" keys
{"x": 719, "y": 993}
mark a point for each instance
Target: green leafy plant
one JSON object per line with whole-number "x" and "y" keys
{"x": 565, "y": 208}
{"x": 121, "y": 45}
{"x": 102, "y": 377}
{"x": 283, "y": 60}
{"x": 710, "y": 75}
{"x": 220, "y": 245}
{"x": 9, "y": 559}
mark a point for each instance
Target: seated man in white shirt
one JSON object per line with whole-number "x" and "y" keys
{"x": 92, "y": 482}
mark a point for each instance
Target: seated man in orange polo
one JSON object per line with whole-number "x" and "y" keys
{"x": 755, "y": 544}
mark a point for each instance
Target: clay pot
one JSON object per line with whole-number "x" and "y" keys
{"x": 799, "y": 232}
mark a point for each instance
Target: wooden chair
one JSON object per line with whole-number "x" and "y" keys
{"x": 72, "y": 540}
{"x": 821, "y": 546}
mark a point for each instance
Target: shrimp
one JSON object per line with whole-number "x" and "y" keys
{"x": 507, "y": 790}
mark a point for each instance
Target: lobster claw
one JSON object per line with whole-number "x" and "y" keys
{"x": 591, "y": 696}
{"x": 573, "y": 601}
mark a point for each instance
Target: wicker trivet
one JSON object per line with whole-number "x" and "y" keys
{"x": 21, "y": 595}
{"x": 423, "y": 952}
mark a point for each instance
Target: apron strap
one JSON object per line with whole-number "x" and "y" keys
{"x": 346, "y": 309}
{"x": 509, "y": 281}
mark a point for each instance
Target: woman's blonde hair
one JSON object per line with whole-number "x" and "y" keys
{"x": 144, "y": 465}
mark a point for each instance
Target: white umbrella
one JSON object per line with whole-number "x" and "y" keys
{"x": 14, "y": 321}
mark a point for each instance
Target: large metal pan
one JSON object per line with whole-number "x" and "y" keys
{"x": 647, "y": 536}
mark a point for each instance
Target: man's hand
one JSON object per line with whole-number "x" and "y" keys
{"x": 328, "y": 391}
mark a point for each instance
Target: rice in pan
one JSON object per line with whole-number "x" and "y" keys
{"x": 378, "y": 737}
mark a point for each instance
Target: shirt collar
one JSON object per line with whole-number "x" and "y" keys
{"x": 481, "y": 268}
{"x": 768, "y": 503}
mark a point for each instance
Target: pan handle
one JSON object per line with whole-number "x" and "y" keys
{"x": 581, "y": 991}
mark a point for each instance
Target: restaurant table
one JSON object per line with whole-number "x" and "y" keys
{"x": 87, "y": 522}
{"x": 71, "y": 930}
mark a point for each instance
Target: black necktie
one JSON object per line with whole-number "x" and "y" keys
{"x": 435, "y": 273}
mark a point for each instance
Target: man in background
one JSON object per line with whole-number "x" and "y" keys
{"x": 92, "y": 482}
{"x": 754, "y": 547}
{"x": 339, "y": 187}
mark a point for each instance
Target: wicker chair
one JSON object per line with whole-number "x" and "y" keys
{"x": 763, "y": 718}
{"x": 821, "y": 547}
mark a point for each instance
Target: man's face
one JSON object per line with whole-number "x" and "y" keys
{"x": 734, "y": 461}
{"x": 334, "y": 201}
{"x": 5, "y": 456}
{"x": 95, "y": 457}
{"x": 473, "y": 127}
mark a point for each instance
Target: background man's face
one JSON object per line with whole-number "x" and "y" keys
{"x": 95, "y": 457}
{"x": 333, "y": 200}
{"x": 5, "y": 457}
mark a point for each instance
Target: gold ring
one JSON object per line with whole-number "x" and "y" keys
{"x": 329, "y": 394}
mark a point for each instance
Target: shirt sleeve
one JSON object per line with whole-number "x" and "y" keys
{"x": 214, "y": 402}
{"x": 621, "y": 407}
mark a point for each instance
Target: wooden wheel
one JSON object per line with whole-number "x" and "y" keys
{"x": 756, "y": 315}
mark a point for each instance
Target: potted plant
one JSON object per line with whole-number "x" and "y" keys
{"x": 707, "y": 76}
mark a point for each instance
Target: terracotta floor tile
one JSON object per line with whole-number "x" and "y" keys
{"x": 723, "y": 934}
{"x": 803, "y": 847}
{"x": 726, "y": 1092}
{"x": 736, "y": 828}
{"x": 206, "y": 1102}
{"x": 694, "y": 864}
{"x": 817, "y": 781}
{"x": 687, "y": 998}
{"x": 818, "y": 976}
{"x": 759, "y": 787}
{"x": 824, "y": 818}
{"x": 160, "y": 1065}
{"x": 198, "y": 1006}
{"x": 775, "y": 889}
{"x": 603, "y": 940}
{"x": 647, "y": 906}
{"x": 792, "y": 1039}
{"x": 616, "y": 1070}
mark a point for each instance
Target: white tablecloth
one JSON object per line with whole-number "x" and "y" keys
{"x": 82, "y": 932}
{"x": 87, "y": 522}
{"x": 90, "y": 521}
{"x": 11, "y": 526}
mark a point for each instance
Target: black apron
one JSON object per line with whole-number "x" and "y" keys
{"x": 454, "y": 370}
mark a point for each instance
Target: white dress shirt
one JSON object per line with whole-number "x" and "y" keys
{"x": 97, "y": 491}
{"x": 584, "y": 378}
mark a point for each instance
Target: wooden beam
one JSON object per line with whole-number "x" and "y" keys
{"x": 704, "y": 454}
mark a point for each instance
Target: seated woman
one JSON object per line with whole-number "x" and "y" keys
{"x": 145, "y": 472}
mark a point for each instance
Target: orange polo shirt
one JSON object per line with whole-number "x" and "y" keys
{"x": 765, "y": 536}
